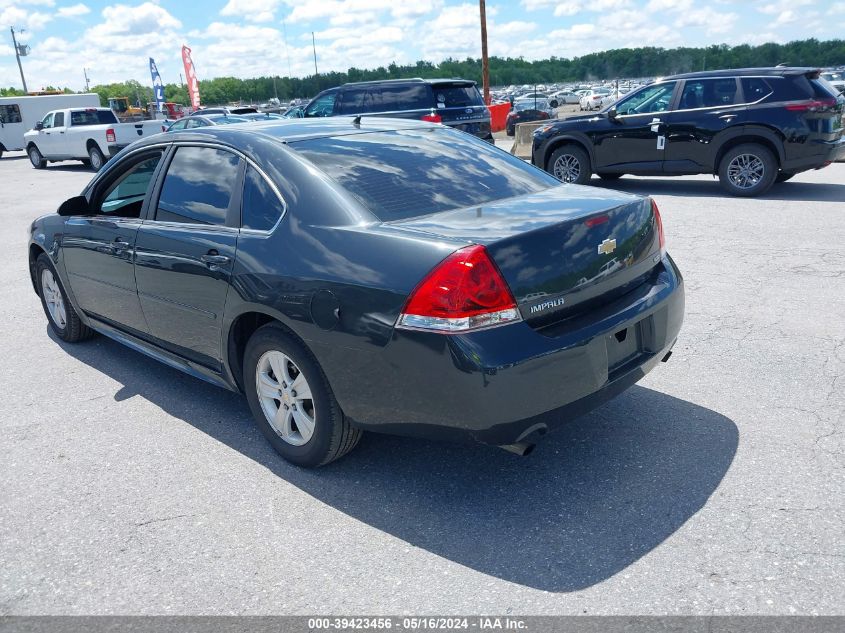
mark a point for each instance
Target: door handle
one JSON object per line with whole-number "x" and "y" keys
{"x": 120, "y": 245}
{"x": 213, "y": 258}
{"x": 727, "y": 117}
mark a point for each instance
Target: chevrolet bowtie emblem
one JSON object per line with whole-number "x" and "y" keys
{"x": 607, "y": 247}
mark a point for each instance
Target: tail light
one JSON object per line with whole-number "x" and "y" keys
{"x": 464, "y": 292}
{"x": 432, "y": 117}
{"x": 659, "y": 222}
{"x": 110, "y": 135}
{"x": 812, "y": 105}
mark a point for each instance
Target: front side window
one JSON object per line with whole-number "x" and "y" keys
{"x": 261, "y": 206}
{"x": 323, "y": 105}
{"x": 179, "y": 125}
{"x": 198, "y": 186}
{"x": 708, "y": 93}
{"x": 192, "y": 123}
{"x": 655, "y": 98}
{"x": 125, "y": 196}
{"x": 47, "y": 121}
{"x": 10, "y": 113}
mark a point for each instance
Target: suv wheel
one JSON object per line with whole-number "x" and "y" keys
{"x": 292, "y": 402}
{"x": 748, "y": 170}
{"x": 570, "y": 163}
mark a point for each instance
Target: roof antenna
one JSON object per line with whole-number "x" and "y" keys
{"x": 357, "y": 120}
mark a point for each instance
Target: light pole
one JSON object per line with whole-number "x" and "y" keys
{"x": 314, "y": 48}
{"x": 21, "y": 50}
{"x": 485, "y": 64}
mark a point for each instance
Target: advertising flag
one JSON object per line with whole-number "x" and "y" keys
{"x": 158, "y": 87}
{"x": 191, "y": 77}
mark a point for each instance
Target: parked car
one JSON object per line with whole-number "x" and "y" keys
{"x": 751, "y": 127}
{"x": 196, "y": 121}
{"x": 835, "y": 79}
{"x": 18, "y": 115}
{"x": 453, "y": 102}
{"x": 261, "y": 116}
{"x": 91, "y": 135}
{"x": 225, "y": 110}
{"x": 556, "y": 99}
{"x": 591, "y": 99}
{"x": 522, "y": 112}
{"x": 381, "y": 274}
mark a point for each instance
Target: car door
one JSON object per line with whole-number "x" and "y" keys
{"x": 44, "y": 141}
{"x": 634, "y": 141}
{"x": 56, "y": 134}
{"x": 186, "y": 248}
{"x": 98, "y": 249}
{"x": 705, "y": 108}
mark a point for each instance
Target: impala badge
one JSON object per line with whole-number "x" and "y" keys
{"x": 607, "y": 247}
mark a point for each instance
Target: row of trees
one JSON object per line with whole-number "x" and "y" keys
{"x": 618, "y": 63}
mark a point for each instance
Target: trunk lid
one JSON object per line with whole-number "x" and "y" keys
{"x": 562, "y": 250}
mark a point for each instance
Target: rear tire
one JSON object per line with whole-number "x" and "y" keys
{"x": 95, "y": 158}
{"x": 783, "y": 177}
{"x": 309, "y": 431}
{"x": 570, "y": 163}
{"x": 748, "y": 170}
{"x": 606, "y": 176}
{"x": 63, "y": 319}
{"x": 36, "y": 158}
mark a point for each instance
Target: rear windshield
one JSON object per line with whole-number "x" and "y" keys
{"x": 409, "y": 173}
{"x": 456, "y": 96}
{"x": 92, "y": 117}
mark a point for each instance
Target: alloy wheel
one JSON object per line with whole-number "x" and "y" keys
{"x": 53, "y": 298}
{"x": 285, "y": 397}
{"x": 746, "y": 171}
{"x": 567, "y": 168}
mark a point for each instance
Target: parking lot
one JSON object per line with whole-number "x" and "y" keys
{"x": 714, "y": 486}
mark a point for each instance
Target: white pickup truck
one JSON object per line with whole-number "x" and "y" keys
{"x": 92, "y": 135}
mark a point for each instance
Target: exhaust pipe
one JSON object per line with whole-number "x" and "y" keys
{"x": 520, "y": 448}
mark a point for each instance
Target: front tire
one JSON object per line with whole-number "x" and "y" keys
{"x": 570, "y": 163}
{"x": 748, "y": 170}
{"x": 95, "y": 158}
{"x": 292, "y": 402}
{"x": 63, "y": 319}
{"x": 36, "y": 158}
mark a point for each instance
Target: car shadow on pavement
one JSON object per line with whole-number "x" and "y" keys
{"x": 792, "y": 190}
{"x": 594, "y": 497}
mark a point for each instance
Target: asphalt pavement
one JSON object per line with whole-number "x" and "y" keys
{"x": 715, "y": 486}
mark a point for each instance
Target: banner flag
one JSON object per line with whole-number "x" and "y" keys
{"x": 191, "y": 77}
{"x": 158, "y": 87}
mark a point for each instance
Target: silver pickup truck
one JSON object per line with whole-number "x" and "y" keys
{"x": 92, "y": 135}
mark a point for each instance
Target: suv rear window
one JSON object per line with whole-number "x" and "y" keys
{"x": 408, "y": 97}
{"x": 456, "y": 96}
{"x": 92, "y": 117}
{"x": 409, "y": 173}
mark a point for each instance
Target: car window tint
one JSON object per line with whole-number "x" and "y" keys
{"x": 323, "y": 105}
{"x": 352, "y": 101}
{"x": 708, "y": 93}
{"x": 261, "y": 207}
{"x": 192, "y": 123}
{"x": 655, "y": 98}
{"x": 408, "y": 173}
{"x": 10, "y": 113}
{"x": 456, "y": 96}
{"x": 198, "y": 186}
{"x": 389, "y": 98}
{"x": 179, "y": 125}
{"x": 47, "y": 121}
{"x": 754, "y": 89}
{"x": 59, "y": 119}
{"x": 125, "y": 196}
{"x": 92, "y": 117}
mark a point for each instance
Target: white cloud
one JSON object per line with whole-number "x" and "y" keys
{"x": 713, "y": 21}
{"x": 252, "y": 10}
{"x": 73, "y": 11}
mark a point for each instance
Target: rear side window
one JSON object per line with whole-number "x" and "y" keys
{"x": 92, "y": 117}
{"x": 198, "y": 187}
{"x": 708, "y": 93}
{"x": 390, "y": 98}
{"x": 10, "y": 113}
{"x": 409, "y": 173}
{"x": 352, "y": 101}
{"x": 754, "y": 89}
{"x": 261, "y": 206}
{"x": 456, "y": 96}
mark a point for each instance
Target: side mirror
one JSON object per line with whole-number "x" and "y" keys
{"x": 39, "y": 125}
{"x": 78, "y": 205}
{"x": 611, "y": 114}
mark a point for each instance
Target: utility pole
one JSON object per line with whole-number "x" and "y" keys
{"x": 18, "y": 50}
{"x": 287, "y": 53}
{"x": 485, "y": 64}
{"x": 87, "y": 81}
{"x": 314, "y": 48}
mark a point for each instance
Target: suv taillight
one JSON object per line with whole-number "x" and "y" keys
{"x": 811, "y": 106}
{"x": 659, "y": 222}
{"x": 110, "y": 135}
{"x": 464, "y": 292}
{"x": 432, "y": 117}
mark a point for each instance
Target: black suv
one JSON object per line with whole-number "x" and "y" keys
{"x": 752, "y": 127}
{"x": 453, "y": 102}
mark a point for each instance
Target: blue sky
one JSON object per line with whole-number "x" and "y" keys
{"x": 248, "y": 38}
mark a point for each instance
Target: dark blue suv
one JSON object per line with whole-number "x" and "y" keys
{"x": 453, "y": 102}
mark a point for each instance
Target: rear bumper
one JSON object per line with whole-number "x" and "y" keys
{"x": 512, "y": 383}
{"x": 823, "y": 152}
